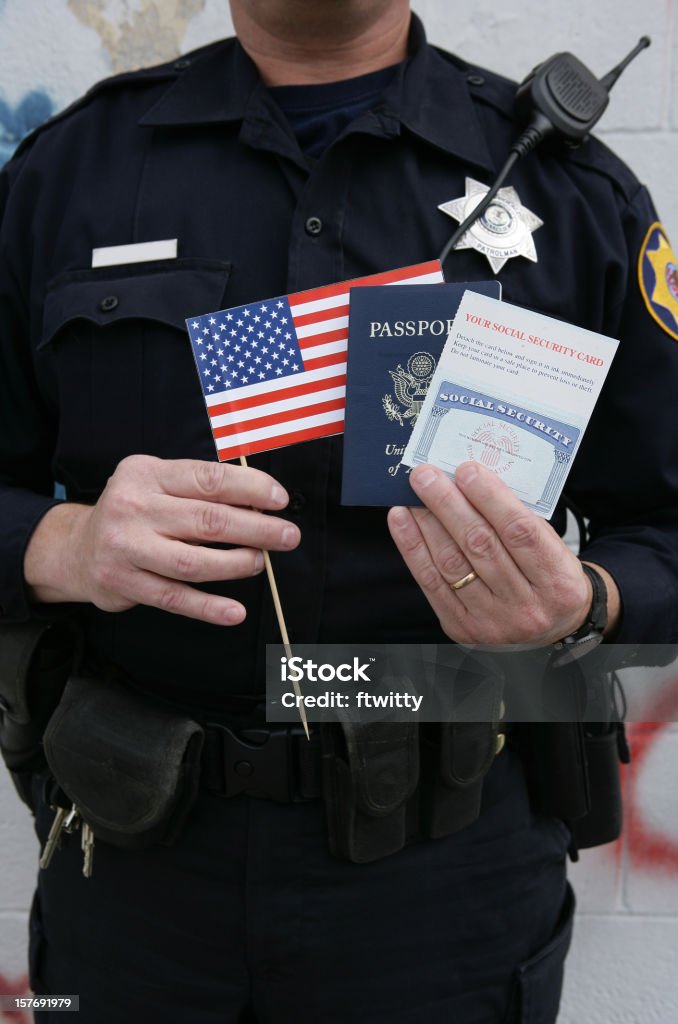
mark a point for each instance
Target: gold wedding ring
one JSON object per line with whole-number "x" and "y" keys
{"x": 465, "y": 580}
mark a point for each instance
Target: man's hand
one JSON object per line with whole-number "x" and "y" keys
{"x": 144, "y": 542}
{"x": 530, "y": 588}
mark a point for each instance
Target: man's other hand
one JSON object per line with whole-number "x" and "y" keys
{"x": 150, "y": 536}
{"x": 530, "y": 588}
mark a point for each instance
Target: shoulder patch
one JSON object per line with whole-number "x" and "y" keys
{"x": 658, "y": 279}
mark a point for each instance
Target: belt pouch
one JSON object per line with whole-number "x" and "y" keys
{"x": 369, "y": 773}
{"x": 603, "y": 822}
{"x": 131, "y": 768}
{"x": 456, "y": 755}
{"x": 36, "y": 658}
{"x": 556, "y": 768}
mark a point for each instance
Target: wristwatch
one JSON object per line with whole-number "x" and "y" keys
{"x": 588, "y": 636}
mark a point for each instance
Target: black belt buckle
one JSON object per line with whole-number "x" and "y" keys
{"x": 263, "y": 763}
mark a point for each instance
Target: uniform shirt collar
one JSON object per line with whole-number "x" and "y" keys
{"x": 428, "y": 97}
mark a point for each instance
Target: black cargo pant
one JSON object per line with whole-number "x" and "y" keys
{"x": 248, "y": 919}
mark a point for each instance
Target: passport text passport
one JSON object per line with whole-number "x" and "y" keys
{"x": 395, "y": 339}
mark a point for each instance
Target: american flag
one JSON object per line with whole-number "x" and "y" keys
{"x": 273, "y": 373}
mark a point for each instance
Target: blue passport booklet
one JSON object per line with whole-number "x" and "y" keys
{"x": 395, "y": 337}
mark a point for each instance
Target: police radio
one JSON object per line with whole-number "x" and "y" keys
{"x": 559, "y": 97}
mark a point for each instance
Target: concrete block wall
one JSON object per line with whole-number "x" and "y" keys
{"x": 622, "y": 968}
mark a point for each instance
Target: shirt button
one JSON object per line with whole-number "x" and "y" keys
{"x": 475, "y": 80}
{"x": 313, "y": 226}
{"x": 108, "y": 304}
{"x": 297, "y": 501}
{"x": 182, "y": 64}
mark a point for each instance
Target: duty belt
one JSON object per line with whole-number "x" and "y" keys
{"x": 269, "y": 764}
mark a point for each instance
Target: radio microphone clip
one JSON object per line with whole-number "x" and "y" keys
{"x": 559, "y": 97}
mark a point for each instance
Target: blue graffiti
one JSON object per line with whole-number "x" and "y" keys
{"x": 35, "y": 108}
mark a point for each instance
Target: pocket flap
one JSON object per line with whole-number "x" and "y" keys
{"x": 166, "y": 293}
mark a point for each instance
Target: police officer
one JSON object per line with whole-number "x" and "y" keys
{"x": 316, "y": 147}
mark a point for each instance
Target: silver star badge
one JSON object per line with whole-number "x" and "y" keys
{"x": 505, "y": 228}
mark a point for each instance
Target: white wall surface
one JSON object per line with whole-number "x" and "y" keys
{"x": 622, "y": 968}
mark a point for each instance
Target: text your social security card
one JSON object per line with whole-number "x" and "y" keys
{"x": 513, "y": 390}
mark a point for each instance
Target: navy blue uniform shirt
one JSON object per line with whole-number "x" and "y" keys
{"x": 96, "y": 364}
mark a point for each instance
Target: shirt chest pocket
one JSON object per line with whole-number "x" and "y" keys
{"x": 114, "y": 343}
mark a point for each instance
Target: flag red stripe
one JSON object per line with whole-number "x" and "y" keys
{"x": 321, "y": 314}
{"x": 329, "y": 360}
{"x": 277, "y": 396}
{"x": 268, "y": 444}
{"x": 322, "y": 339}
{"x": 279, "y": 417}
{"x": 401, "y": 274}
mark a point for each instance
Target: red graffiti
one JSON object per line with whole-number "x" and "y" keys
{"x": 15, "y": 987}
{"x": 647, "y": 845}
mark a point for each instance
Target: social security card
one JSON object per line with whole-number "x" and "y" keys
{"x": 513, "y": 390}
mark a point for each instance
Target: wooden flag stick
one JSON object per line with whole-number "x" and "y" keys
{"x": 281, "y": 623}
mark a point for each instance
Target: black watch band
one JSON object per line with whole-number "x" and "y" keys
{"x": 590, "y": 634}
